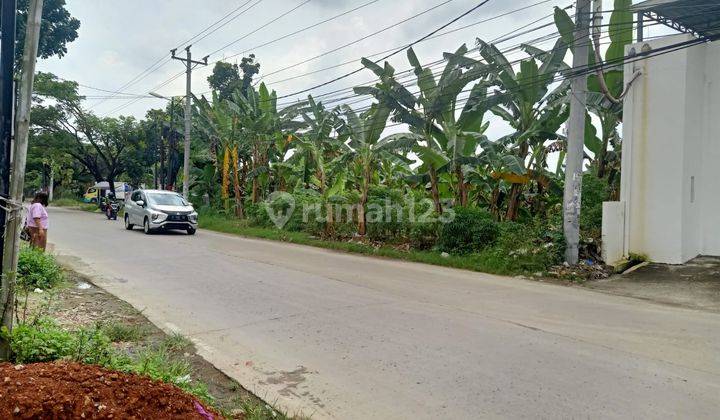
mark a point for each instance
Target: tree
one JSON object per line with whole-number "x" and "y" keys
{"x": 442, "y": 138}
{"x": 58, "y": 29}
{"x": 527, "y": 105}
{"x": 225, "y": 78}
{"x": 368, "y": 150}
{"x": 609, "y": 112}
{"x": 100, "y": 144}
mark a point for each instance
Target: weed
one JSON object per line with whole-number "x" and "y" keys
{"x": 41, "y": 341}
{"x": 176, "y": 342}
{"x": 37, "y": 269}
{"x": 120, "y": 332}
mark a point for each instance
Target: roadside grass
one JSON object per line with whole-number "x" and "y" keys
{"x": 489, "y": 261}
{"x": 74, "y": 204}
{"x": 176, "y": 342}
{"x": 119, "y": 332}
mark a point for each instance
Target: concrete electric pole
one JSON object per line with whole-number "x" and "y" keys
{"x": 188, "y": 113}
{"x": 7, "y": 101}
{"x": 576, "y": 133}
{"x": 14, "y": 207}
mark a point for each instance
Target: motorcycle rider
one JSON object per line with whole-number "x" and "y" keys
{"x": 109, "y": 199}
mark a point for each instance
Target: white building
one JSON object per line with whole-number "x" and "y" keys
{"x": 669, "y": 208}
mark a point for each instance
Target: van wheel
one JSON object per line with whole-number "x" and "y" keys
{"x": 128, "y": 225}
{"x": 191, "y": 231}
{"x": 146, "y": 226}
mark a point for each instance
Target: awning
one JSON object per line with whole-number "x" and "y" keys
{"x": 698, "y": 17}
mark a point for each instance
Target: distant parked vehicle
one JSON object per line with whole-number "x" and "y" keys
{"x": 156, "y": 210}
{"x": 97, "y": 192}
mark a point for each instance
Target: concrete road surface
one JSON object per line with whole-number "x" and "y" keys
{"x": 350, "y": 337}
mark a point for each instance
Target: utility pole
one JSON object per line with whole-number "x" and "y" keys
{"x": 188, "y": 113}
{"x": 7, "y": 102}
{"x": 14, "y": 204}
{"x": 576, "y": 133}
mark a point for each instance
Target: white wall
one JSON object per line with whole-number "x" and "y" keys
{"x": 671, "y": 140}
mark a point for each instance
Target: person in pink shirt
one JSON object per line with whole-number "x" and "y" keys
{"x": 37, "y": 220}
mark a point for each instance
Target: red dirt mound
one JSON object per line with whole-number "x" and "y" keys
{"x": 74, "y": 391}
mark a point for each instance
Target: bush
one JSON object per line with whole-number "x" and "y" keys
{"x": 594, "y": 192}
{"x": 471, "y": 230}
{"x": 526, "y": 247}
{"x": 41, "y": 341}
{"x": 37, "y": 269}
{"x": 424, "y": 236}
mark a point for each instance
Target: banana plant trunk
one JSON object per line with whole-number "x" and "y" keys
{"x": 226, "y": 174}
{"x": 362, "y": 216}
{"x": 434, "y": 191}
{"x": 256, "y": 180}
{"x": 513, "y": 209}
{"x": 239, "y": 211}
{"x": 462, "y": 192}
{"x": 495, "y": 201}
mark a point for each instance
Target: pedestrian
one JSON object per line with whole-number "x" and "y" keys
{"x": 37, "y": 221}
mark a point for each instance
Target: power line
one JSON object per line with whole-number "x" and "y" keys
{"x": 164, "y": 60}
{"x": 193, "y": 39}
{"x": 314, "y": 25}
{"x": 266, "y": 24}
{"x": 400, "y": 46}
{"x": 177, "y": 75}
{"x": 390, "y": 54}
{"x": 396, "y": 24}
{"x": 502, "y": 38}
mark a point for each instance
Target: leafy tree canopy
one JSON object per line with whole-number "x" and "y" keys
{"x": 58, "y": 29}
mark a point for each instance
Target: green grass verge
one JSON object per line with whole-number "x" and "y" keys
{"x": 489, "y": 261}
{"x": 75, "y": 204}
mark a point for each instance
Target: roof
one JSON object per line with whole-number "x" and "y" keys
{"x": 700, "y": 17}
{"x": 159, "y": 191}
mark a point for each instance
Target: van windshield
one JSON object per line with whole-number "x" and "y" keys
{"x": 167, "y": 200}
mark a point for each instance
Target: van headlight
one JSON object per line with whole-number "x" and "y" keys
{"x": 158, "y": 217}
{"x": 193, "y": 217}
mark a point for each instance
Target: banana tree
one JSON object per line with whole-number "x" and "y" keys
{"x": 367, "y": 150}
{"x": 526, "y": 103}
{"x": 262, "y": 126}
{"x": 223, "y": 128}
{"x": 444, "y": 139}
{"x": 607, "y": 85}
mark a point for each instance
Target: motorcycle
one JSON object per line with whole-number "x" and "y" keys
{"x": 112, "y": 209}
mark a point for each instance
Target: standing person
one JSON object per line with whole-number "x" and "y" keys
{"x": 37, "y": 220}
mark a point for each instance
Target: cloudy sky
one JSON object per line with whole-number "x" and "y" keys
{"x": 119, "y": 40}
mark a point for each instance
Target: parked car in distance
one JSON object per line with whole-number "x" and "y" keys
{"x": 157, "y": 210}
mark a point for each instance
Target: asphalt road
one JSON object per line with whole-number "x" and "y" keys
{"x": 342, "y": 336}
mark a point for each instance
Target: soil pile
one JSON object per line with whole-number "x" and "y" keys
{"x": 75, "y": 391}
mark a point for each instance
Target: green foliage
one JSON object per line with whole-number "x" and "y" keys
{"x": 160, "y": 363}
{"x": 424, "y": 236}
{"x": 58, "y": 29}
{"x": 594, "y": 192}
{"x": 37, "y": 269}
{"x": 526, "y": 247}
{"x": 91, "y": 346}
{"x": 472, "y": 229}
{"x": 41, "y": 341}
{"x": 121, "y": 332}
{"x": 176, "y": 342}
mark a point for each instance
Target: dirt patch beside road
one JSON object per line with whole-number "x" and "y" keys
{"x": 73, "y": 390}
